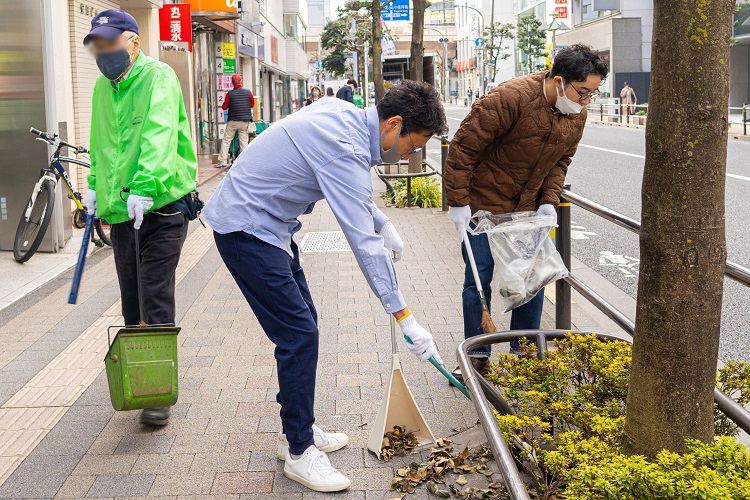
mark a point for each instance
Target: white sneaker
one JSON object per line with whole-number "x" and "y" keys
{"x": 314, "y": 470}
{"x": 324, "y": 441}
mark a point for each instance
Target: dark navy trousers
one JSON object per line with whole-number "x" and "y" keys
{"x": 525, "y": 317}
{"x": 275, "y": 287}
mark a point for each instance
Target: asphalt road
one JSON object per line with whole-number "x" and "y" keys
{"x": 608, "y": 168}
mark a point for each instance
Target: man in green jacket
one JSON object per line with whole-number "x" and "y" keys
{"x": 143, "y": 169}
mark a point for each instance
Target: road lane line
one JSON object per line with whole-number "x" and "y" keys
{"x": 611, "y": 151}
{"x": 733, "y": 176}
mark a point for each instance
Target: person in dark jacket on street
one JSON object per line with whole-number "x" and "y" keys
{"x": 346, "y": 92}
{"x": 511, "y": 154}
{"x": 239, "y": 101}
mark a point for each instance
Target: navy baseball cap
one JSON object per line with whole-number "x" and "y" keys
{"x": 110, "y": 24}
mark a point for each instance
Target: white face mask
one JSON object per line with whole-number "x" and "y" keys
{"x": 564, "y": 105}
{"x": 391, "y": 155}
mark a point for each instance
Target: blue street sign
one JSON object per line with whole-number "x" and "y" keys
{"x": 397, "y": 10}
{"x": 479, "y": 42}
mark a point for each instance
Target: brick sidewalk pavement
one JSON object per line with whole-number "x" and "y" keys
{"x": 221, "y": 440}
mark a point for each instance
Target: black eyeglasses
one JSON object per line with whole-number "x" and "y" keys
{"x": 583, "y": 96}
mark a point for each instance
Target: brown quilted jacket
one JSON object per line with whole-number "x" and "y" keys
{"x": 512, "y": 151}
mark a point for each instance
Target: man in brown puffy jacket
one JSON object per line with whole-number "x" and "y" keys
{"x": 511, "y": 154}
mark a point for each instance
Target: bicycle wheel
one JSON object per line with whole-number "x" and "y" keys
{"x": 31, "y": 231}
{"x": 102, "y": 229}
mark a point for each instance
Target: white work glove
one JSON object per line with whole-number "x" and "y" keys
{"x": 547, "y": 209}
{"x": 137, "y": 206}
{"x": 392, "y": 241}
{"x": 422, "y": 344}
{"x": 89, "y": 202}
{"x": 460, "y": 217}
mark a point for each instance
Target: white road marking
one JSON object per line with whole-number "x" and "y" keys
{"x": 733, "y": 176}
{"x": 611, "y": 151}
{"x": 457, "y": 119}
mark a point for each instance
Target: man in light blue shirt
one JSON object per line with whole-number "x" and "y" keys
{"x": 324, "y": 151}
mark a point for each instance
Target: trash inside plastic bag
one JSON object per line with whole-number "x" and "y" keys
{"x": 525, "y": 257}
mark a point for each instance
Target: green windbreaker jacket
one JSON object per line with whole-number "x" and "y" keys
{"x": 140, "y": 138}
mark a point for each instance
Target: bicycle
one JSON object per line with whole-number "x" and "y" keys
{"x": 38, "y": 213}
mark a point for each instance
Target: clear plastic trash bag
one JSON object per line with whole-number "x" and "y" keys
{"x": 525, "y": 257}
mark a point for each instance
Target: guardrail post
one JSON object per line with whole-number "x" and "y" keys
{"x": 444, "y": 144}
{"x": 408, "y": 191}
{"x": 744, "y": 119}
{"x": 601, "y": 111}
{"x": 562, "y": 287}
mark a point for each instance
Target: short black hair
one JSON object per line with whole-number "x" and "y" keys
{"x": 351, "y": 82}
{"x": 578, "y": 62}
{"x": 418, "y": 104}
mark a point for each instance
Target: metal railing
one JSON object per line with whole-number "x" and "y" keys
{"x": 487, "y": 398}
{"x": 739, "y": 273}
{"x": 621, "y": 113}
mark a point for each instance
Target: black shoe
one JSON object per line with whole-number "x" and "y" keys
{"x": 155, "y": 416}
{"x": 482, "y": 365}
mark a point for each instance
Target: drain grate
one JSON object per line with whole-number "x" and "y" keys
{"x": 324, "y": 241}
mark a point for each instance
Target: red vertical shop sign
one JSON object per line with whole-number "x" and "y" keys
{"x": 174, "y": 24}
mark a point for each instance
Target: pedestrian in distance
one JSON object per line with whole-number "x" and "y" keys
{"x": 511, "y": 154}
{"x": 329, "y": 92}
{"x": 315, "y": 94}
{"x": 140, "y": 141}
{"x": 628, "y": 99}
{"x": 254, "y": 213}
{"x": 346, "y": 93}
{"x": 239, "y": 102}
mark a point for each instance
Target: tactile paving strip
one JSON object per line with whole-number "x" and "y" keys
{"x": 324, "y": 241}
{"x": 37, "y": 407}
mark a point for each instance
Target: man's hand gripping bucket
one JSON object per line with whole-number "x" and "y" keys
{"x": 142, "y": 360}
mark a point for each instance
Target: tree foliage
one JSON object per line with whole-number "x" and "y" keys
{"x": 495, "y": 38}
{"x": 531, "y": 41}
{"x": 338, "y": 40}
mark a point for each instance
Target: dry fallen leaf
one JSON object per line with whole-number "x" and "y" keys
{"x": 461, "y": 480}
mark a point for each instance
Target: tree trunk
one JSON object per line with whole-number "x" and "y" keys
{"x": 416, "y": 71}
{"x": 377, "y": 52}
{"x": 683, "y": 248}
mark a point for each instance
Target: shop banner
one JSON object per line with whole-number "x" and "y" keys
{"x": 227, "y": 50}
{"x": 174, "y": 24}
{"x": 274, "y": 50}
{"x": 230, "y": 66}
{"x": 213, "y": 8}
{"x": 386, "y": 42}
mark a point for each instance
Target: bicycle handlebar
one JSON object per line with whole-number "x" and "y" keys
{"x": 53, "y": 140}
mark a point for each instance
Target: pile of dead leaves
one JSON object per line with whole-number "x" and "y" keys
{"x": 443, "y": 461}
{"x": 398, "y": 442}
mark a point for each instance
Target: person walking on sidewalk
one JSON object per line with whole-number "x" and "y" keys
{"x": 627, "y": 99}
{"x": 346, "y": 93}
{"x": 511, "y": 154}
{"x": 239, "y": 101}
{"x": 315, "y": 94}
{"x": 140, "y": 141}
{"x": 254, "y": 214}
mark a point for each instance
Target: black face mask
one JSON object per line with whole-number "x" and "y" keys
{"x": 113, "y": 64}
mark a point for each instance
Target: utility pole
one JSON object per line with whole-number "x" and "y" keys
{"x": 355, "y": 67}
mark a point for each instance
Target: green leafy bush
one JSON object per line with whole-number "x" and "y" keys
{"x": 426, "y": 192}
{"x": 568, "y": 427}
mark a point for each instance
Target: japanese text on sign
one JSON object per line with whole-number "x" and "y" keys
{"x": 174, "y": 24}
{"x": 227, "y": 50}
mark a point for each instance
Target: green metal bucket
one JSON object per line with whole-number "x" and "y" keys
{"x": 142, "y": 367}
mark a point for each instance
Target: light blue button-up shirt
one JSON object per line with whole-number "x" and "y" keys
{"x": 324, "y": 151}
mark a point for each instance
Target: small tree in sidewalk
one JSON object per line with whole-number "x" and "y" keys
{"x": 683, "y": 248}
{"x": 416, "y": 53}
{"x": 496, "y": 36}
{"x": 531, "y": 42}
{"x": 376, "y": 8}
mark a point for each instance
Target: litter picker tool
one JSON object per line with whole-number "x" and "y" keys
{"x": 142, "y": 360}
{"x": 487, "y": 325}
{"x": 398, "y": 406}
{"x": 78, "y": 273}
